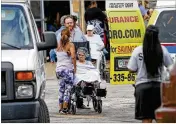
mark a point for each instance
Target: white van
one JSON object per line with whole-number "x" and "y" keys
{"x": 22, "y": 64}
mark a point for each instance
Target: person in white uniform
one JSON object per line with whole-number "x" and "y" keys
{"x": 148, "y": 61}
{"x": 96, "y": 44}
{"x": 94, "y": 39}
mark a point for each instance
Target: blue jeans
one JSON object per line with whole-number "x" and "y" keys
{"x": 105, "y": 51}
{"x": 52, "y": 54}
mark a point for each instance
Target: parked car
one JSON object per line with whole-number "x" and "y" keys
{"x": 167, "y": 112}
{"x": 164, "y": 18}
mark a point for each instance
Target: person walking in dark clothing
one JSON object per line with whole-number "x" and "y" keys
{"x": 94, "y": 16}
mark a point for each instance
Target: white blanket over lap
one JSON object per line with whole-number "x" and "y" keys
{"x": 86, "y": 73}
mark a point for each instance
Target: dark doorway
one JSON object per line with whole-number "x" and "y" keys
{"x": 53, "y": 7}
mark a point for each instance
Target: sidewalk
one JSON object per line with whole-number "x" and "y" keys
{"x": 50, "y": 70}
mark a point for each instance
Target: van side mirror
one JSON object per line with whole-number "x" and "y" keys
{"x": 50, "y": 41}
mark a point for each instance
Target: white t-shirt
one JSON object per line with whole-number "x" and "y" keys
{"x": 96, "y": 42}
{"x": 136, "y": 63}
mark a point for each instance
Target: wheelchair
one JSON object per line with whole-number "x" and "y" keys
{"x": 92, "y": 91}
{"x": 87, "y": 89}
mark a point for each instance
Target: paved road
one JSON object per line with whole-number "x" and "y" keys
{"x": 118, "y": 106}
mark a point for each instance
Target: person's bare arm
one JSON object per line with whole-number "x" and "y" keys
{"x": 58, "y": 47}
{"x": 146, "y": 17}
{"x": 73, "y": 56}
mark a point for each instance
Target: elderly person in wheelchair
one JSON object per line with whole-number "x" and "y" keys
{"x": 86, "y": 71}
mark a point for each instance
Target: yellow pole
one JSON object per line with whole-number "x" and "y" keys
{"x": 143, "y": 3}
{"x": 82, "y": 15}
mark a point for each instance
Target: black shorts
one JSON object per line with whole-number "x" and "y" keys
{"x": 147, "y": 100}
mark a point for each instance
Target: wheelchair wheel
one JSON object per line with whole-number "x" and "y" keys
{"x": 102, "y": 72}
{"x": 73, "y": 98}
{"x": 94, "y": 101}
{"x": 107, "y": 77}
{"x": 73, "y": 109}
{"x": 103, "y": 68}
{"x": 99, "y": 106}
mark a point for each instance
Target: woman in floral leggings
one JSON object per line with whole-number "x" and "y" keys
{"x": 65, "y": 84}
{"x": 65, "y": 69}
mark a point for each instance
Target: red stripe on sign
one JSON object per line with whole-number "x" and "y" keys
{"x": 168, "y": 44}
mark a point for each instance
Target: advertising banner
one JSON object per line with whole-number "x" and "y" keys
{"x": 126, "y": 32}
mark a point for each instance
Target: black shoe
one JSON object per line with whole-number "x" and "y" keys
{"x": 65, "y": 110}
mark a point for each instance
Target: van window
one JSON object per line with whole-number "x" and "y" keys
{"x": 14, "y": 27}
{"x": 166, "y": 23}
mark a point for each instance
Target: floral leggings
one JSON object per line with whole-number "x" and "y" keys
{"x": 65, "y": 84}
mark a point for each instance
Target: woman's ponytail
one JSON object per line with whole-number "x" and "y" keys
{"x": 64, "y": 38}
{"x": 65, "y": 35}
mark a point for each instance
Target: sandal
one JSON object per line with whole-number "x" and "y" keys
{"x": 61, "y": 112}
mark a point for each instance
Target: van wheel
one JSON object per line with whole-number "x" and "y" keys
{"x": 43, "y": 112}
